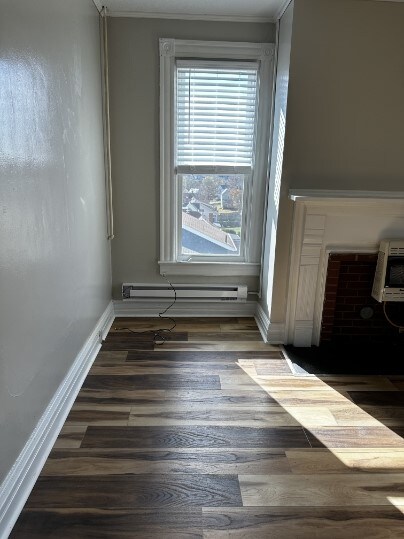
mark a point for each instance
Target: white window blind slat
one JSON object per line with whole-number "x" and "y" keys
{"x": 216, "y": 114}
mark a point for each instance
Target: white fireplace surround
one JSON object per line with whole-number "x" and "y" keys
{"x": 327, "y": 222}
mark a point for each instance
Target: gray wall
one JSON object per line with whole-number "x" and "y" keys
{"x": 54, "y": 256}
{"x": 345, "y": 119}
{"x": 345, "y": 111}
{"x": 134, "y": 86}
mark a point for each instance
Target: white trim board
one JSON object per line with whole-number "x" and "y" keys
{"x": 17, "y": 485}
{"x": 192, "y": 308}
{"x": 210, "y": 268}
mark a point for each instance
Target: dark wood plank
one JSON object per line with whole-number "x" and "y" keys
{"x": 109, "y": 524}
{"x": 194, "y": 436}
{"x": 174, "y": 415}
{"x": 140, "y": 491}
{"x": 97, "y": 414}
{"x": 145, "y": 335}
{"x": 124, "y": 335}
{"x": 112, "y": 346}
{"x": 388, "y": 415}
{"x": 398, "y": 382}
{"x": 183, "y": 461}
{"x": 377, "y": 398}
{"x": 202, "y": 356}
{"x": 152, "y": 381}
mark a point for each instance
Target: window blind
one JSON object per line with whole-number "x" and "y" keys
{"x": 215, "y": 115}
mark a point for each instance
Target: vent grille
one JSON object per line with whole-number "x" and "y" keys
{"x": 393, "y": 295}
{"x": 183, "y": 292}
{"x": 397, "y": 251}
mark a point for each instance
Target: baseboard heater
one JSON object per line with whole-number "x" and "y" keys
{"x": 186, "y": 292}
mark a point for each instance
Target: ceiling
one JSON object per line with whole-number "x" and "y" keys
{"x": 193, "y": 9}
{"x": 229, "y": 10}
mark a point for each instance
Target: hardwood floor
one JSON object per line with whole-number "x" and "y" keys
{"x": 210, "y": 435}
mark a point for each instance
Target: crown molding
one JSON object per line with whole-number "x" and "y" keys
{"x": 190, "y": 17}
{"x": 98, "y": 5}
{"x": 284, "y": 6}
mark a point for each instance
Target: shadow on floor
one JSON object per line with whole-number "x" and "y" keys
{"x": 332, "y": 358}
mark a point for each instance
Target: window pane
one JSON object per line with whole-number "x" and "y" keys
{"x": 212, "y": 214}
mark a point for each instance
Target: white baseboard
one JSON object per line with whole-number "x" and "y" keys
{"x": 182, "y": 308}
{"x": 303, "y": 334}
{"x": 17, "y": 485}
{"x": 276, "y": 333}
{"x": 262, "y": 322}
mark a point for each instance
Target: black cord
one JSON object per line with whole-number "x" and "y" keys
{"x": 389, "y": 319}
{"x": 158, "y": 337}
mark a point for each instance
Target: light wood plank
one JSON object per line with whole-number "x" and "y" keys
{"x": 240, "y": 335}
{"x": 308, "y": 398}
{"x": 303, "y": 523}
{"x": 238, "y": 346}
{"x": 70, "y": 436}
{"x": 111, "y": 358}
{"x": 267, "y": 377}
{"x": 357, "y": 436}
{"x": 332, "y": 490}
{"x": 319, "y": 461}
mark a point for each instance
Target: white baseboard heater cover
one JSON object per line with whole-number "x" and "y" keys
{"x": 184, "y": 292}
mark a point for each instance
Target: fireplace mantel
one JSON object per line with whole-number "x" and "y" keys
{"x": 327, "y": 222}
{"x": 302, "y": 195}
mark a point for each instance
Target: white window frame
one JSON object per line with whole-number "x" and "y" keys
{"x": 170, "y": 50}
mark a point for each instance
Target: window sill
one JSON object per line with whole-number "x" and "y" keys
{"x": 214, "y": 269}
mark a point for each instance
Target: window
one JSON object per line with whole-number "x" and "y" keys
{"x": 215, "y": 116}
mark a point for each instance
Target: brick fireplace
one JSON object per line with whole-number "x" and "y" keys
{"x": 350, "y": 314}
{"x": 335, "y": 241}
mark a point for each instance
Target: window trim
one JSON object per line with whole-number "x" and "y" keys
{"x": 170, "y": 49}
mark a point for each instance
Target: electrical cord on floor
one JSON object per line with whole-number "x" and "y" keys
{"x": 158, "y": 334}
{"x": 388, "y": 318}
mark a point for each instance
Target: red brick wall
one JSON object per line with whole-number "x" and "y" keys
{"x": 348, "y": 289}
